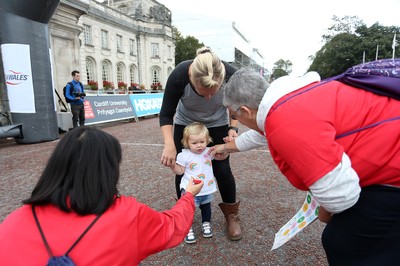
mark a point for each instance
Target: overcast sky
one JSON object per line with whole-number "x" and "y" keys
{"x": 290, "y": 29}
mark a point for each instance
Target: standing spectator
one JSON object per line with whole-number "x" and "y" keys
{"x": 76, "y": 94}
{"x": 338, "y": 141}
{"x": 194, "y": 161}
{"x": 193, "y": 94}
{"x": 78, "y": 187}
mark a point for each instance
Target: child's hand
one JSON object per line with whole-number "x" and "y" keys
{"x": 194, "y": 188}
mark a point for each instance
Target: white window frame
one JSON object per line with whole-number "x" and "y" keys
{"x": 87, "y": 33}
{"x": 120, "y": 72}
{"x": 90, "y": 67}
{"x": 132, "y": 47}
{"x": 132, "y": 74}
{"x": 155, "y": 74}
{"x": 120, "y": 46}
{"x": 104, "y": 39}
{"x": 106, "y": 71}
{"x": 155, "y": 49}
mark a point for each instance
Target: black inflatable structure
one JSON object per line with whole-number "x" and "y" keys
{"x": 26, "y": 22}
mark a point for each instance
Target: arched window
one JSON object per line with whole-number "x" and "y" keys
{"x": 120, "y": 72}
{"x": 155, "y": 78}
{"x": 105, "y": 71}
{"x": 132, "y": 74}
{"x": 90, "y": 69}
{"x": 155, "y": 74}
{"x": 106, "y": 75}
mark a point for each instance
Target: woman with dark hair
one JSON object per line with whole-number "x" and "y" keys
{"x": 78, "y": 190}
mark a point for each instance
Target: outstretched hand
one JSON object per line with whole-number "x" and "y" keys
{"x": 193, "y": 187}
{"x": 218, "y": 152}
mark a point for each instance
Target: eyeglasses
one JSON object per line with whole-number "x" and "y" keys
{"x": 233, "y": 116}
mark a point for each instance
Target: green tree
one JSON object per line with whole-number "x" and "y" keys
{"x": 377, "y": 41}
{"x": 345, "y": 24}
{"x": 281, "y": 68}
{"x": 340, "y": 53}
{"x": 185, "y": 47}
{"x": 349, "y": 42}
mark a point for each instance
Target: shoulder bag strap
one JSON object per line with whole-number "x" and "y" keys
{"x": 73, "y": 245}
{"x": 83, "y": 234}
{"x": 71, "y": 88}
{"x": 41, "y": 232}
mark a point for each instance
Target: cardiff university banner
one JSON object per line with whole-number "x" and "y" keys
{"x": 100, "y": 109}
{"x": 107, "y": 108}
{"x": 18, "y": 74}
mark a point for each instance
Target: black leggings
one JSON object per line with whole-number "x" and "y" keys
{"x": 369, "y": 232}
{"x": 205, "y": 212}
{"x": 222, "y": 169}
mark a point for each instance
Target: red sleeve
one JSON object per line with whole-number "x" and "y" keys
{"x": 166, "y": 229}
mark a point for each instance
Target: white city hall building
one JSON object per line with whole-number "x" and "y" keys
{"x": 119, "y": 41}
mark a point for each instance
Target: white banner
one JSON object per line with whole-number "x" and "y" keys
{"x": 53, "y": 88}
{"x": 19, "y": 80}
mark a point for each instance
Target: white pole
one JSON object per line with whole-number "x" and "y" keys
{"x": 394, "y": 44}
{"x": 377, "y": 49}
{"x": 363, "y": 57}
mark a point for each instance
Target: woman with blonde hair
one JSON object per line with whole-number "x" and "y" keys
{"x": 193, "y": 93}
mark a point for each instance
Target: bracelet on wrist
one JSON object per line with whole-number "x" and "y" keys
{"x": 234, "y": 128}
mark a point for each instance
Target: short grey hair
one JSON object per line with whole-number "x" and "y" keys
{"x": 245, "y": 87}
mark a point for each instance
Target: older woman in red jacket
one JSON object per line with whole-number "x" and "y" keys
{"x": 340, "y": 142}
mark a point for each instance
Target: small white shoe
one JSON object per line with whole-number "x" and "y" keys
{"x": 190, "y": 238}
{"x": 206, "y": 229}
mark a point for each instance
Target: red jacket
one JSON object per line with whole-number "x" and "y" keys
{"x": 125, "y": 234}
{"x": 302, "y": 129}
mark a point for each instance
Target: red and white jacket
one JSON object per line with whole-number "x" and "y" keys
{"x": 303, "y": 120}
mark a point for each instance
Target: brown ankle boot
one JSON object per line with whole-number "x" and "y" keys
{"x": 231, "y": 210}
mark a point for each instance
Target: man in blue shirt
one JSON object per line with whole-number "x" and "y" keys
{"x": 76, "y": 95}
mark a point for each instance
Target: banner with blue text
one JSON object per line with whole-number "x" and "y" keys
{"x": 107, "y": 108}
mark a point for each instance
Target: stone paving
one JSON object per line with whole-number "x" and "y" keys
{"x": 268, "y": 201}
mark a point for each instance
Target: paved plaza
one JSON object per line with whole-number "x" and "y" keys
{"x": 268, "y": 201}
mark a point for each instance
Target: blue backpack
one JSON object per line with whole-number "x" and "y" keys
{"x": 71, "y": 87}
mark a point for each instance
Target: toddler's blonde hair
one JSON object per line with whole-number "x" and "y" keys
{"x": 195, "y": 128}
